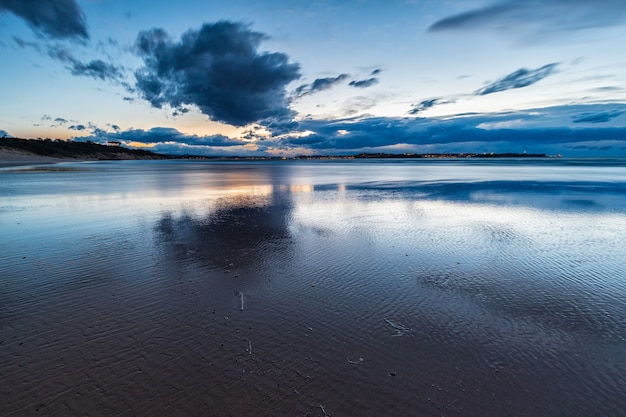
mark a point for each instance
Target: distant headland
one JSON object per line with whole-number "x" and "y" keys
{"x": 66, "y": 149}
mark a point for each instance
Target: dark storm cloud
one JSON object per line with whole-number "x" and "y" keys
{"x": 542, "y": 130}
{"x": 96, "y": 68}
{"x": 364, "y": 83}
{"x": 512, "y": 132}
{"x": 521, "y": 78}
{"x": 319, "y": 84}
{"x": 600, "y": 117}
{"x": 350, "y": 135}
{"x": 57, "y": 19}
{"x": 543, "y": 15}
{"x": 217, "y": 68}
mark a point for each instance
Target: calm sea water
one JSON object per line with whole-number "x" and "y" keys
{"x": 409, "y": 287}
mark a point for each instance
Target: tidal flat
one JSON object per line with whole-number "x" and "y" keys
{"x": 324, "y": 288}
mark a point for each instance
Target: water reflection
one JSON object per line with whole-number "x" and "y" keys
{"x": 505, "y": 276}
{"x": 237, "y": 231}
{"x": 515, "y": 279}
{"x": 529, "y": 250}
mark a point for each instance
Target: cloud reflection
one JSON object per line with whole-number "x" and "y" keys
{"x": 241, "y": 231}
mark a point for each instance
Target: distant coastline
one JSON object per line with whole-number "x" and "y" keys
{"x": 61, "y": 149}
{"x": 375, "y": 156}
{"x": 14, "y": 151}
{"x": 445, "y": 155}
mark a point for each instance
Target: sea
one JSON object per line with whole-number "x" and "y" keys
{"x": 383, "y": 287}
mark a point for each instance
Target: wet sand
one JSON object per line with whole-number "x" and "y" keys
{"x": 298, "y": 300}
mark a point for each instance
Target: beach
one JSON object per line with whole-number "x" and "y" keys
{"x": 283, "y": 288}
{"x": 10, "y": 157}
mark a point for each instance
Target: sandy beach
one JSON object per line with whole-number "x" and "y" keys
{"x": 11, "y": 157}
{"x": 180, "y": 288}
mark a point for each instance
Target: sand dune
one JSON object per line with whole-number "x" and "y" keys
{"x": 11, "y": 157}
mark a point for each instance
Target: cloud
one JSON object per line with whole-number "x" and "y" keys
{"x": 96, "y": 69}
{"x": 600, "y": 117}
{"x": 4, "y": 134}
{"x": 160, "y": 134}
{"x": 319, "y": 84}
{"x": 217, "y": 68}
{"x": 170, "y": 141}
{"x": 521, "y": 78}
{"x": 478, "y": 18}
{"x": 540, "y": 130}
{"x": 57, "y": 122}
{"x": 517, "y": 79}
{"x": 77, "y": 127}
{"x": 539, "y": 15}
{"x": 58, "y": 19}
{"x": 608, "y": 88}
{"x": 179, "y": 111}
{"x": 364, "y": 83}
{"x": 427, "y": 104}
{"x": 358, "y": 104}
{"x": 26, "y": 44}
{"x": 545, "y": 130}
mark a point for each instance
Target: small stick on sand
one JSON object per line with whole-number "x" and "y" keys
{"x": 324, "y": 411}
{"x": 249, "y": 347}
{"x": 400, "y": 329}
{"x": 241, "y": 297}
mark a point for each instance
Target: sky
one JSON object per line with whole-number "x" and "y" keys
{"x": 321, "y": 77}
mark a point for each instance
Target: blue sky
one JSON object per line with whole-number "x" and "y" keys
{"x": 319, "y": 77}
